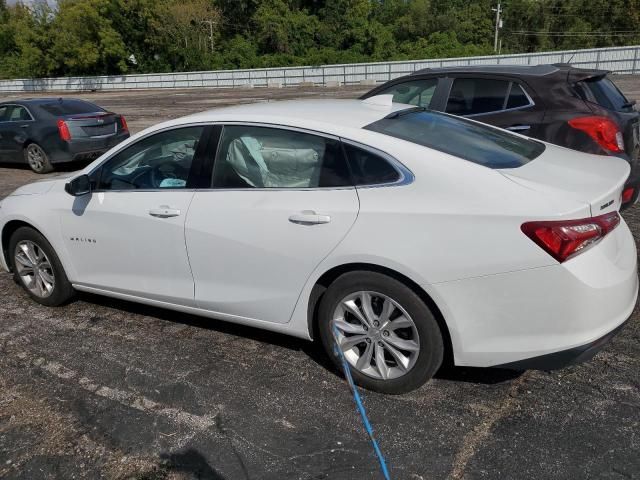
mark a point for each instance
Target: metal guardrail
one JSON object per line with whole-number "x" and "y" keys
{"x": 618, "y": 60}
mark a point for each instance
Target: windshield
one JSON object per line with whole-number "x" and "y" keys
{"x": 70, "y": 107}
{"x": 463, "y": 138}
{"x": 603, "y": 92}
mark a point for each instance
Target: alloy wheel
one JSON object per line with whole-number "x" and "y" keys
{"x": 377, "y": 336}
{"x": 34, "y": 268}
{"x": 36, "y": 157}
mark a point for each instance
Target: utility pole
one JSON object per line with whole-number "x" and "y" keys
{"x": 498, "y": 26}
{"x": 211, "y": 23}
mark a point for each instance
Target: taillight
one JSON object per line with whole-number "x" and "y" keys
{"x": 603, "y": 130}
{"x": 63, "y": 130}
{"x": 567, "y": 238}
{"x": 627, "y": 194}
{"x": 123, "y": 122}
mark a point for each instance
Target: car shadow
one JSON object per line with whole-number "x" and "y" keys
{"x": 189, "y": 463}
{"x": 314, "y": 350}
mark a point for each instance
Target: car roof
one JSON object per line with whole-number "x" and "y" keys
{"x": 324, "y": 115}
{"x": 43, "y": 100}
{"x": 517, "y": 70}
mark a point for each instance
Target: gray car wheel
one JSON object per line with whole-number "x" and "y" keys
{"x": 37, "y": 268}
{"x": 37, "y": 158}
{"x": 387, "y": 334}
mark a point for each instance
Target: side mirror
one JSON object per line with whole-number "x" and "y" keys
{"x": 79, "y": 186}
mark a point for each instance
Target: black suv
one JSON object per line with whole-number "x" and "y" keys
{"x": 572, "y": 107}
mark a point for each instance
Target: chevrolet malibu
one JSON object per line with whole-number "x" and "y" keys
{"x": 401, "y": 235}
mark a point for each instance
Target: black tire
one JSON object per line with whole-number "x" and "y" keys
{"x": 62, "y": 290}
{"x": 37, "y": 158}
{"x": 431, "y": 346}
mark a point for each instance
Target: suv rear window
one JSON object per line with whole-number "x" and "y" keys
{"x": 603, "y": 92}
{"x": 462, "y": 138}
{"x": 70, "y": 107}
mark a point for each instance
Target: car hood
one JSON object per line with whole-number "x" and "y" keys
{"x": 40, "y": 187}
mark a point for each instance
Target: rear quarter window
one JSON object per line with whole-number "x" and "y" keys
{"x": 368, "y": 168}
{"x": 70, "y": 107}
{"x": 472, "y": 141}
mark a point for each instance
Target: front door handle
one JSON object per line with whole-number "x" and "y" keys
{"x": 519, "y": 128}
{"x": 25, "y": 126}
{"x": 164, "y": 212}
{"x": 309, "y": 217}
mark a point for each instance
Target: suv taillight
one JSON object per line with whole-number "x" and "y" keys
{"x": 123, "y": 124}
{"x": 63, "y": 130}
{"x": 567, "y": 238}
{"x": 602, "y": 130}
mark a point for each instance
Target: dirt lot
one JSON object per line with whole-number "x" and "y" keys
{"x": 108, "y": 389}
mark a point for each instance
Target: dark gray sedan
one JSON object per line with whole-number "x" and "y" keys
{"x": 43, "y": 132}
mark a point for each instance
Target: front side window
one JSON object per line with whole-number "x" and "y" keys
{"x": 160, "y": 161}
{"x": 264, "y": 157}
{"x": 415, "y": 92}
{"x": 472, "y": 141}
{"x": 4, "y": 113}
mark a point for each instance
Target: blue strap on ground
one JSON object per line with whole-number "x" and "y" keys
{"x": 360, "y": 406}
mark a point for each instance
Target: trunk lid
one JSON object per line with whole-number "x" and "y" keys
{"x": 92, "y": 125}
{"x": 592, "y": 179}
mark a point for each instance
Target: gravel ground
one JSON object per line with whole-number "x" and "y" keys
{"x": 108, "y": 389}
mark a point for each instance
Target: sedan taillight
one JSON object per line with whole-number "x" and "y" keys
{"x": 63, "y": 130}
{"x": 123, "y": 123}
{"x": 567, "y": 238}
{"x": 602, "y": 130}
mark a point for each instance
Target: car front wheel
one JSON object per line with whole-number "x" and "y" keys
{"x": 386, "y": 333}
{"x": 37, "y": 268}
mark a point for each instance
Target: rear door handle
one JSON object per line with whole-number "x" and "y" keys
{"x": 164, "y": 212}
{"x": 309, "y": 217}
{"x": 24, "y": 126}
{"x": 519, "y": 128}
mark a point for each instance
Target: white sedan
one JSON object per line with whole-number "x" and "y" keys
{"x": 404, "y": 235}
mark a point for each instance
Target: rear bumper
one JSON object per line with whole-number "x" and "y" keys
{"x": 633, "y": 180}
{"x": 564, "y": 358}
{"x": 520, "y": 316}
{"x": 86, "y": 149}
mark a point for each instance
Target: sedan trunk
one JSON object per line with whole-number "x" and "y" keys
{"x": 592, "y": 179}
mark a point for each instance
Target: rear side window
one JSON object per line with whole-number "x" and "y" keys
{"x": 603, "y": 92}
{"x": 473, "y": 96}
{"x": 19, "y": 114}
{"x": 470, "y": 96}
{"x": 70, "y": 107}
{"x": 368, "y": 168}
{"x": 264, "y": 157}
{"x": 472, "y": 141}
{"x": 415, "y": 92}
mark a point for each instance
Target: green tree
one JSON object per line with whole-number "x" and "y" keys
{"x": 84, "y": 39}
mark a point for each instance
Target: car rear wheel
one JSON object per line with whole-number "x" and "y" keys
{"x": 37, "y": 268}
{"x": 37, "y": 158}
{"x": 385, "y": 331}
